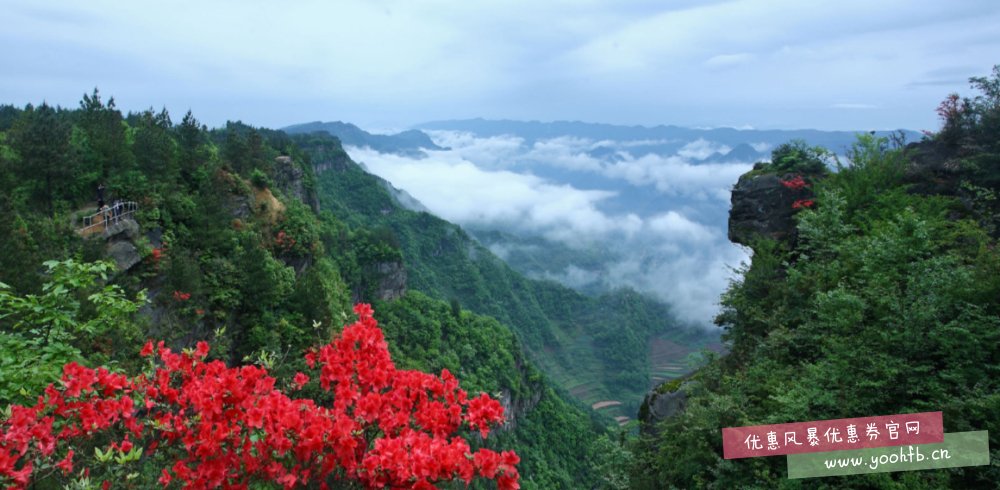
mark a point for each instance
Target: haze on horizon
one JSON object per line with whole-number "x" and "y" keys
{"x": 846, "y": 64}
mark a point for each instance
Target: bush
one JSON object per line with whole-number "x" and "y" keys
{"x": 213, "y": 426}
{"x": 259, "y": 179}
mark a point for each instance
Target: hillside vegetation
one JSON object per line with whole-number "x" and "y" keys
{"x": 595, "y": 347}
{"x": 238, "y": 243}
{"x": 883, "y": 301}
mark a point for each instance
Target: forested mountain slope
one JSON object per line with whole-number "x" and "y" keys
{"x": 231, "y": 245}
{"x": 595, "y": 347}
{"x": 873, "y": 290}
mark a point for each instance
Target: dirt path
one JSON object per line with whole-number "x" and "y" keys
{"x": 605, "y": 404}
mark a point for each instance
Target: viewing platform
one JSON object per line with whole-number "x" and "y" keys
{"x": 105, "y": 221}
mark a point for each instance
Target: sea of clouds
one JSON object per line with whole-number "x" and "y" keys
{"x": 660, "y": 219}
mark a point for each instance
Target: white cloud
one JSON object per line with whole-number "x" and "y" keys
{"x": 491, "y": 152}
{"x": 676, "y": 176}
{"x": 700, "y": 148}
{"x": 676, "y": 226}
{"x": 672, "y": 175}
{"x": 575, "y": 277}
{"x": 723, "y": 61}
{"x": 483, "y": 182}
{"x": 459, "y": 191}
{"x": 566, "y": 152}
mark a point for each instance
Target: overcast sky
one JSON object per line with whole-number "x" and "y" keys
{"x": 841, "y": 64}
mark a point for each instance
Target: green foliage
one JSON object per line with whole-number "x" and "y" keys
{"x": 154, "y": 147}
{"x": 882, "y": 308}
{"x": 41, "y": 140}
{"x": 259, "y": 179}
{"x": 266, "y": 284}
{"x": 874, "y": 168}
{"x": 612, "y": 465}
{"x": 103, "y": 147}
{"x": 798, "y": 157}
{"x": 77, "y": 317}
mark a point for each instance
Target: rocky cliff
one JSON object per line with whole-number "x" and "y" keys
{"x": 291, "y": 179}
{"x": 391, "y": 280}
{"x": 763, "y": 206}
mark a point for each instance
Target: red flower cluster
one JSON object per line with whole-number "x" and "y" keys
{"x": 803, "y": 203}
{"x": 795, "y": 183}
{"x": 284, "y": 241}
{"x": 156, "y": 255}
{"x": 181, "y": 296}
{"x": 950, "y": 108}
{"x": 228, "y": 427}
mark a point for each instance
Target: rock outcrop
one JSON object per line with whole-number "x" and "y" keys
{"x": 391, "y": 280}
{"x": 120, "y": 244}
{"x": 516, "y": 407}
{"x": 385, "y": 281}
{"x": 290, "y": 178}
{"x": 763, "y": 206}
{"x": 658, "y": 406}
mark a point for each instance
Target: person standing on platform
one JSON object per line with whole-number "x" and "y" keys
{"x": 100, "y": 196}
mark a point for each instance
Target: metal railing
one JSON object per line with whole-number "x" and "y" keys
{"x": 100, "y": 221}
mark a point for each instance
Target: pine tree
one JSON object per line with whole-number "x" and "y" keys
{"x": 42, "y": 140}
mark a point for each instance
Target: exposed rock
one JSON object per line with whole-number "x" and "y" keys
{"x": 391, "y": 280}
{"x": 661, "y": 406}
{"x": 763, "y": 207}
{"x": 240, "y": 206}
{"x": 124, "y": 228}
{"x": 385, "y": 281}
{"x": 290, "y": 178}
{"x": 657, "y": 407}
{"x": 517, "y": 407}
{"x": 124, "y": 254}
{"x": 120, "y": 246}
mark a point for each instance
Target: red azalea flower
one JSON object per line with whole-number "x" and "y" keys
{"x": 66, "y": 464}
{"x": 795, "y": 183}
{"x": 165, "y": 478}
{"x": 216, "y": 426}
{"x": 201, "y": 349}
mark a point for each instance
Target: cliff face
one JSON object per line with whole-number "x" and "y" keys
{"x": 661, "y": 404}
{"x": 763, "y": 206}
{"x": 290, "y": 178}
{"x": 518, "y": 406}
{"x": 391, "y": 280}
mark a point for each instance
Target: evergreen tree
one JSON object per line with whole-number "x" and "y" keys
{"x": 153, "y": 146}
{"x": 104, "y": 147}
{"x": 42, "y": 140}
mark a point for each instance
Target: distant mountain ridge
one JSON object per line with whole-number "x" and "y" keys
{"x": 662, "y": 137}
{"x": 410, "y": 143}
